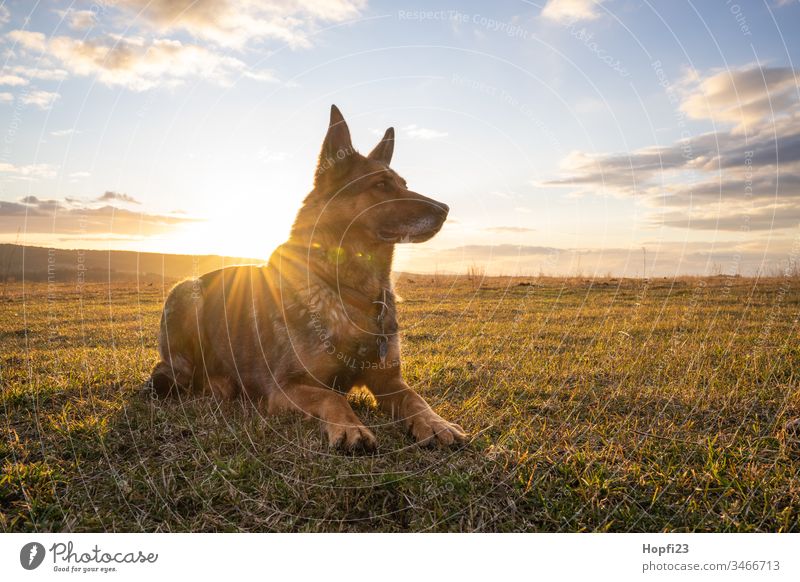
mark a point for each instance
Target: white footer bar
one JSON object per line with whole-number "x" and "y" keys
{"x": 388, "y": 557}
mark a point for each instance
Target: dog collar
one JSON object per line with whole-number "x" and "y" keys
{"x": 383, "y": 339}
{"x": 336, "y": 256}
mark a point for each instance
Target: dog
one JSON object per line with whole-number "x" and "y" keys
{"x": 319, "y": 319}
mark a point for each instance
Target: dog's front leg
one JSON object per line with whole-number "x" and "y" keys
{"x": 340, "y": 423}
{"x": 398, "y": 399}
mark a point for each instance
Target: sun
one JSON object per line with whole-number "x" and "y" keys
{"x": 233, "y": 233}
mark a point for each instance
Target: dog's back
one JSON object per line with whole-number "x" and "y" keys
{"x": 206, "y": 324}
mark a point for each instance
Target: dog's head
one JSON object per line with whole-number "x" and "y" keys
{"x": 362, "y": 196}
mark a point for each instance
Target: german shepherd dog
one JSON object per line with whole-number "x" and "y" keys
{"x": 319, "y": 318}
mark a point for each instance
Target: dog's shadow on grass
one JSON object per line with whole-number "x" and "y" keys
{"x": 203, "y": 465}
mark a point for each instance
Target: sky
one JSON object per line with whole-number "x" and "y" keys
{"x": 568, "y": 137}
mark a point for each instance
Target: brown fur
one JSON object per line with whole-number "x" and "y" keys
{"x": 319, "y": 318}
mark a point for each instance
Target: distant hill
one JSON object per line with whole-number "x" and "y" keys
{"x": 67, "y": 265}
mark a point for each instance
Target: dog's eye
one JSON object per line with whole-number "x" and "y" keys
{"x": 381, "y": 185}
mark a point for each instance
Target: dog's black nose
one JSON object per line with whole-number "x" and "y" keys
{"x": 444, "y": 208}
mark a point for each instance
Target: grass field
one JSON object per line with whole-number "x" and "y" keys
{"x": 606, "y": 405}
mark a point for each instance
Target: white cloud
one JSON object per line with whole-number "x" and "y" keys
{"x": 39, "y": 98}
{"x": 5, "y": 15}
{"x": 79, "y": 19}
{"x": 6, "y": 97}
{"x": 717, "y": 180}
{"x": 237, "y": 22}
{"x": 27, "y": 172}
{"x": 413, "y": 131}
{"x": 67, "y": 216}
{"x": 111, "y": 196}
{"x": 140, "y": 64}
{"x": 12, "y": 80}
{"x": 35, "y": 41}
{"x": 50, "y": 74}
{"x": 566, "y": 11}
{"x": 741, "y": 96}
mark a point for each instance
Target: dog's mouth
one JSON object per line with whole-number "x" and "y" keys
{"x": 418, "y": 230}
{"x": 392, "y": 236}
{"x": 407, "y": 235}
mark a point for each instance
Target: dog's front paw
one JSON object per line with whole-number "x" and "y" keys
{"x": 428, "y": 428}
{"x": 351, "y": 438}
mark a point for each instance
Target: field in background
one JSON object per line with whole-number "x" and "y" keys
{"x": 617, "y": 405}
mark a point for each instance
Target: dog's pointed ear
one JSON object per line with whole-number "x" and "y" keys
{"x": 338, "y": 137}
{"x": 337, "y": 145}
{"x": 385, "y": 148}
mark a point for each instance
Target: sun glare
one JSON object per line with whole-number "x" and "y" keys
{"x": 235, "y": 234}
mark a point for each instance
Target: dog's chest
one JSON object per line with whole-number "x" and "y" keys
{"x": 349, "y": 337}
{"x": 328, "y": 310}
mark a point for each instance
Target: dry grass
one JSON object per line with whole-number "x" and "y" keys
{"x": 597, "y": 405}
